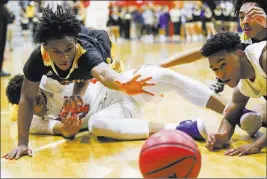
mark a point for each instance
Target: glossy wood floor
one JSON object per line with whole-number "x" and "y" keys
{"x": 88, "y": 157}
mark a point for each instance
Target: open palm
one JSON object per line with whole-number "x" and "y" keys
{"x": 134, "y": 87}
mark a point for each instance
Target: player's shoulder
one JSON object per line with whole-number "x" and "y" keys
{"x": 92, "y": 32}
{"x": 36, "y": 55}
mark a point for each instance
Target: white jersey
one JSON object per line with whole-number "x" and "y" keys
{"x": 175, "y": 15}
{"x": 257, "y": 88}
{"x": 55, "y": 93}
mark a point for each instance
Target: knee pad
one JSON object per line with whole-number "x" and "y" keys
{"x": 251, "y": 122}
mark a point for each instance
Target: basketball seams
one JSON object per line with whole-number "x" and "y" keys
{"x": 173, "y": 142}
{"x": 170, "y": 144}
{"x": 174, "y": 163}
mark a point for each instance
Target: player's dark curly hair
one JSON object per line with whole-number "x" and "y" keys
{"x": 55, "y": 25}
{"x": 238, "y": 3}
{"x": 228, "y": 41}
{"x": 13, "y": 89}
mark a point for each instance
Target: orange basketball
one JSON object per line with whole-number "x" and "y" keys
{"x": 170, "y": 154}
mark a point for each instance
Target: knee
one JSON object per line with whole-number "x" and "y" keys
{"x": 261, "y": 108}
{"x": 263, "y": 114}
{"x": 251, "y": 123}
{"x": 95, "y": 124}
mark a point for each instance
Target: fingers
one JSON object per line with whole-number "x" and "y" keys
{"x": 79, "y": 100}
{"x": 17, "y": 156}
{"x": 66, "y": 123}
{"x": 242, "y": 153}
{"x": 145, "y": 80}
{"x": 74, "y": 104}
{"x": 149, "y": 84}
{"x": 118, "y": 83}
{"x": 7, "y": 155}
{"x": 4, "y": 156}
{"x": 63, "y": 119}
{"x": 209, "y": 143}
{"x": 254, "y": 9}
{"x": 233, "y": 152}
{"x": 213, "y": 139}
{"x": 29, "y": 152}
{"x": 136, "y": 77}
{"x": 254, "y": 13}
{"x": 257, "y": 17}
{"x": 12, "y": 155}
{"x": 66, "y": 104}
{"x": 146, "y": 92}
{"x": 71, "y": 123}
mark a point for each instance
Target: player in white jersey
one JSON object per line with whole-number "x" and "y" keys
{"x": 246, "y": 72}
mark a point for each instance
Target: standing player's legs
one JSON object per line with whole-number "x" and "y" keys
{"x": 167, "y": 80}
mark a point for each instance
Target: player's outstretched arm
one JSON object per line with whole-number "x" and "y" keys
{"x": 25, "y": 115}
{"x": 105, "y": 75}
{"x": 232, "y": 114}
{"x": 111, "y": 79}
{"x": 180, "y": 58}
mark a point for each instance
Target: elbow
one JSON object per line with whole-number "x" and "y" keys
{"x": 27, "y": 100}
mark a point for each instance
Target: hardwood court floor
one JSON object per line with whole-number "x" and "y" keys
{"x": 88, "y": 157}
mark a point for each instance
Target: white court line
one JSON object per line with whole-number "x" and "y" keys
{"x": 5, "y": 112}
{"x": 54, "y": 144}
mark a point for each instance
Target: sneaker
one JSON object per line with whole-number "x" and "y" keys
{"x": 251, "y": 123}
{"x": 217, "y": 86}
{"x": 195, "y": 128}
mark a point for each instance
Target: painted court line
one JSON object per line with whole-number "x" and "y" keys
{"x": 54, "y": 144}
{"x": 5, "y": 112}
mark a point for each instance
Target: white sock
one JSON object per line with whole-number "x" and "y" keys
{"x": 171, "y": 126}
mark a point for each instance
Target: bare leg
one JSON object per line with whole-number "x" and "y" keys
{"x": 216, "y": 103}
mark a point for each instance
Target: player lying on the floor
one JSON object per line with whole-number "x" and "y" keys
{"x": 112, "y": 114}
{"x": 245, "y": 71}
{"x": 252, "y": 17}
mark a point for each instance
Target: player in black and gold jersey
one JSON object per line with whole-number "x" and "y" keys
{"x": 68, "y": 53}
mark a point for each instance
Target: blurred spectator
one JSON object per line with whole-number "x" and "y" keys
{"x": 175, "y": 15}
{"x": 148, "y": 15}
{"x": 4, "y": 17}
{"x": 126, "y": 18}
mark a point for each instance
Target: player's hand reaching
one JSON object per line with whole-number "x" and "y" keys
{"x": 135, "y": 87}
{"x": 217, "y": 141}
{"x": 70, "y": 126}
{"x": 243, "y": 150}
{"x": 74, "y": 104}
{"x": 257, "y": 14}
{"x": 18, "y": 152}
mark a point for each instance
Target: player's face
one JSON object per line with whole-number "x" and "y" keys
{"x": 39, "y": 107}
{"x": 226, "y": 67}
{"x": 250, "y": 28}
{"x": 62, "y": 51}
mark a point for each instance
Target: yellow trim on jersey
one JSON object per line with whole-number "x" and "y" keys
{"x": 244, "y": 37}
{"x": 48, "y": 62}
{"x": 115, "y": 65}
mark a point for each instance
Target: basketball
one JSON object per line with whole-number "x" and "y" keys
{"x": 170, "y": 154}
